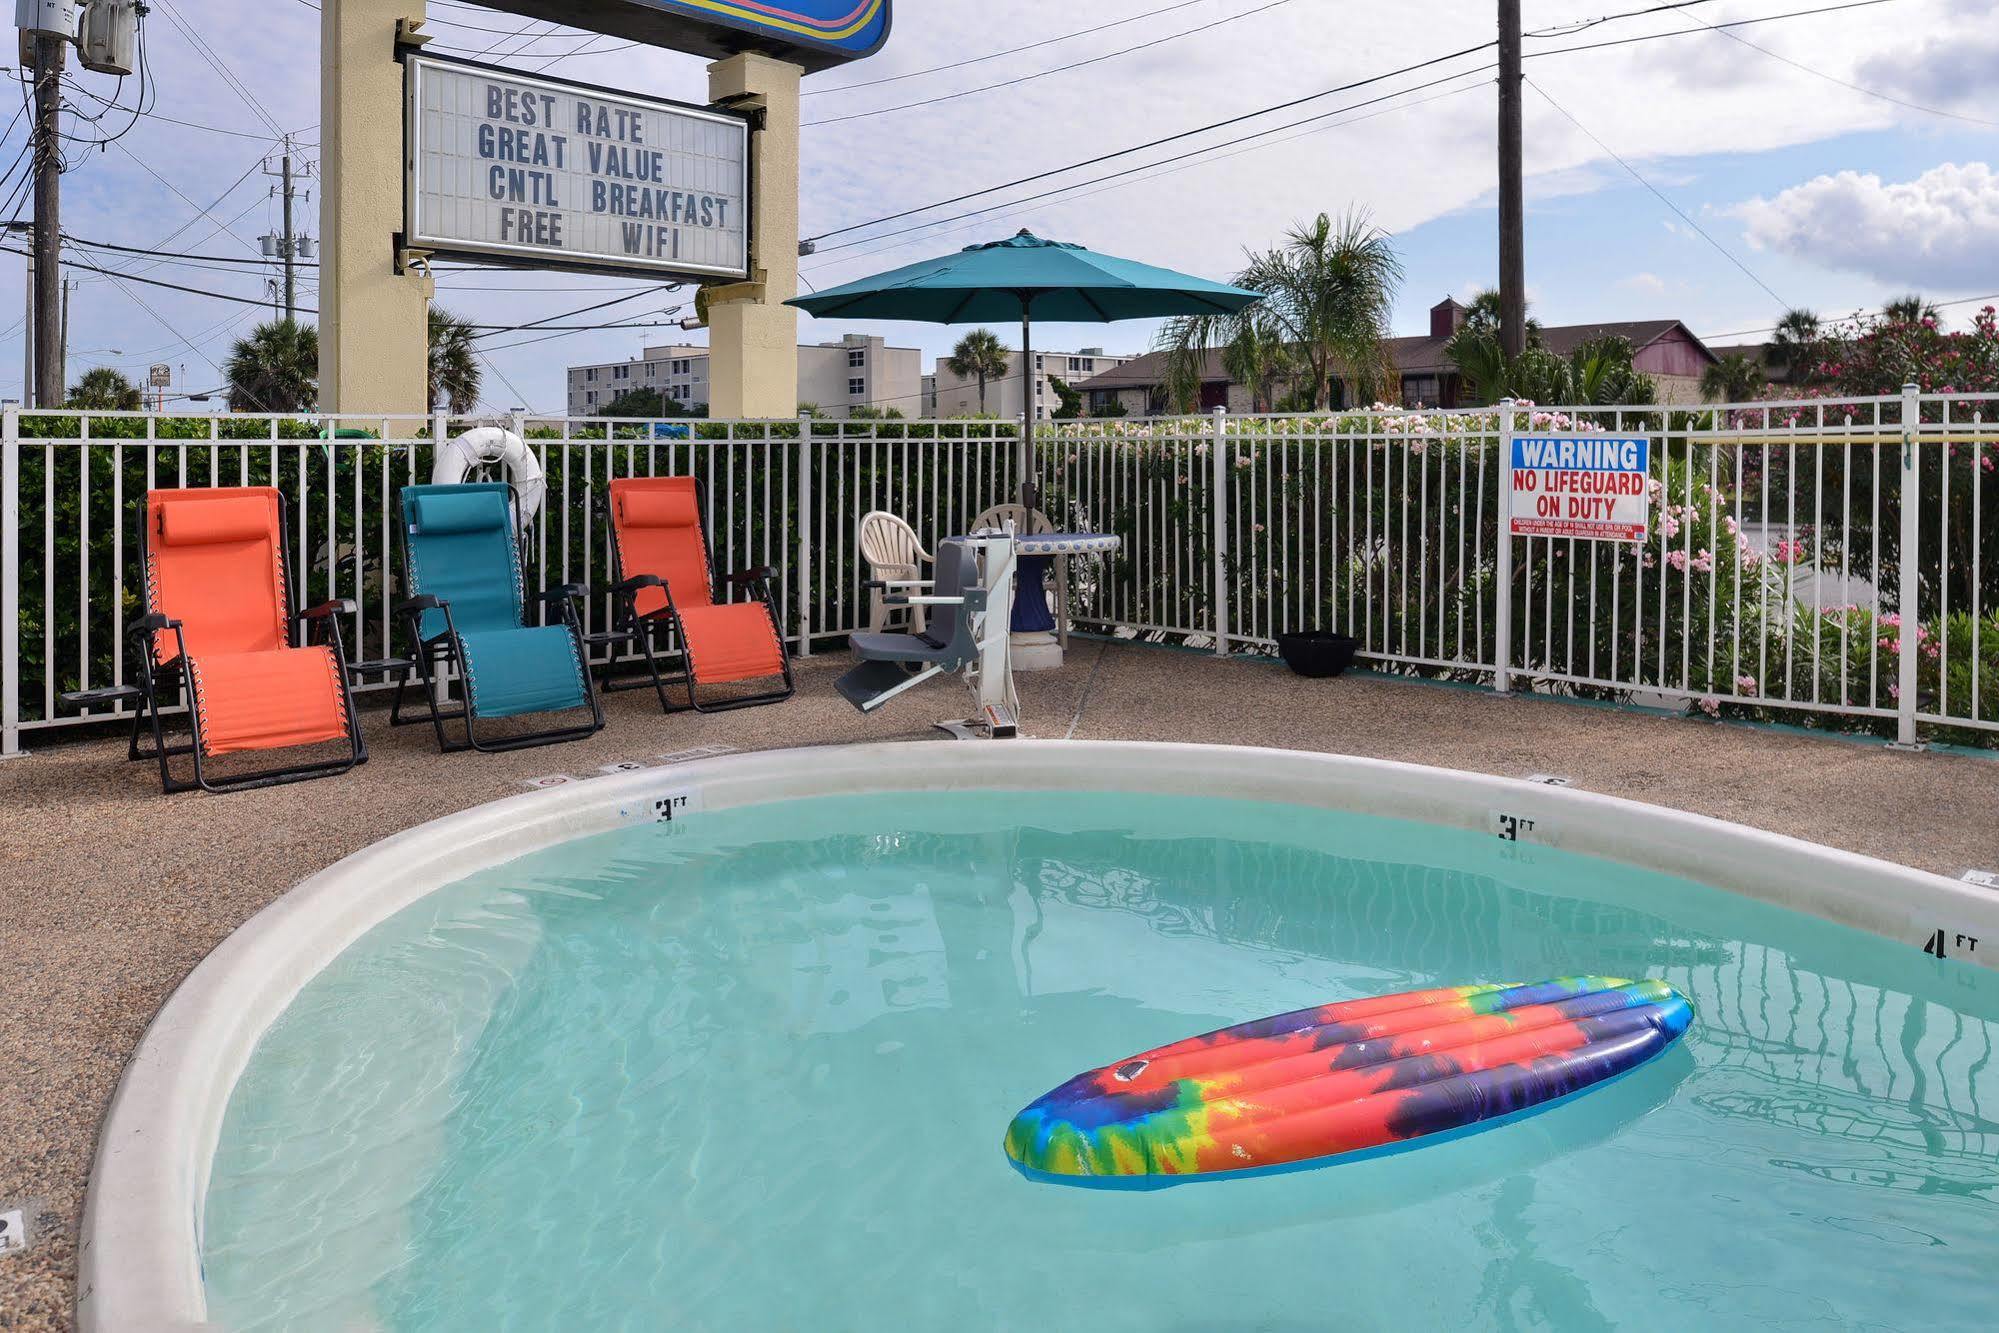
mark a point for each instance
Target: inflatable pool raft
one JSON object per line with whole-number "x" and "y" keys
{"x": 1342, "y": 1080}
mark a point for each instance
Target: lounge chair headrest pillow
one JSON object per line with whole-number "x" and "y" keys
{"x": 239, "y": 518}
{"x": 658, "y": 509}
{"x": 440, "y": 515}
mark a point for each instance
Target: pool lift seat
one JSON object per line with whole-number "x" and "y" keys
{"x": 970, "y": 604}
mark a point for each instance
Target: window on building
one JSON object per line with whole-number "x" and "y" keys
{"x": 591, "y": 397}
{"x": 1075, "y": 364}
{"x": 1089, "y": 363}
{"x": 857, "y": 356}
{"x": 591, "y": 374}
{"x": 621, "y": 372}
{"x": 652, "y": 371}
{"x": 857, "y": 387}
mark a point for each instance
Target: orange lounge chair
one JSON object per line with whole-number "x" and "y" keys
{"x": 666, "y": 580}
{"x": 219, "y": 629}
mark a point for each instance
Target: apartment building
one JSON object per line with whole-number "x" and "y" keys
{"x": 957, "y": 396}
{"x": 836, "y": 377}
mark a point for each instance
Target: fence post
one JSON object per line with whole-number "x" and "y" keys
{"x": 805, "y": 534}
{"x": 1218, "y": 526}
{"x": 1502, "y": 678}
{"x": 1910, "y": 570}
{"x": 10, "y": 580}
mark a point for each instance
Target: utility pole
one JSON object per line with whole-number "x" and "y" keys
{"x": 1512, "y": 206}
{"x": 288, "y": 245}
{"x": 62, "y": 356}
{"x": 49, "y": 51}
{"x": 291, "y": 247}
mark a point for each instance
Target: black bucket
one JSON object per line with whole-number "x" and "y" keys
{"x": 1317, "y": 653}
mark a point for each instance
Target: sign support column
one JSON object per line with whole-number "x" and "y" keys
{"x": 373, "y": 320}
{"x": 752, "y": 334}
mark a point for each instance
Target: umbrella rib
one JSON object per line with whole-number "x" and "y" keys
{"x": 959, "y": 308}
{"x": 1093, "y": 303}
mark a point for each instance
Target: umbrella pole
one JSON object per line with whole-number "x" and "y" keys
{"x": 1030, "y": 398}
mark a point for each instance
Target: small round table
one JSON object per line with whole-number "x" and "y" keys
{"x": 1035, "y": 647}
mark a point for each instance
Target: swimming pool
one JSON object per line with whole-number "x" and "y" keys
{"x": 750, "y": 1068}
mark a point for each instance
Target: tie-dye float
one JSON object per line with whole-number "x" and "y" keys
{"x": 1342, "y": 1079}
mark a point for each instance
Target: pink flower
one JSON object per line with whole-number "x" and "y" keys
{"x": 1669, "y": 527}
{"x": 1704, "y": 562}
{"x": 1709, "y": 705}
{"x": 1746, "y": 685}
{"x": 1677, "y": 559}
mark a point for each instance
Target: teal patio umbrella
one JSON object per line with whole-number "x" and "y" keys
{"x": 1028, "y": 278}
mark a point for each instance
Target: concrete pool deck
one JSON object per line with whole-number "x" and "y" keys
{"x": 117, "y": 892}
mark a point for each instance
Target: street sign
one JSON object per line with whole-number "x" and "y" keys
{"x": 816, "y": 34}
{"x": 160, "y": 376}
{"x": 544, "y": 173}
{"x": 1590, "y": 487}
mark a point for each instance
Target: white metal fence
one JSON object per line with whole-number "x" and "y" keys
{"x": 1839, "y": 558}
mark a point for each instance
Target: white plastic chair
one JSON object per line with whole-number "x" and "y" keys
{"x": 892, "y": 551}
{"x": 1028, "y": 522}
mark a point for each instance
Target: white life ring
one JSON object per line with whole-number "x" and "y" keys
{"x": 485, "y": 445}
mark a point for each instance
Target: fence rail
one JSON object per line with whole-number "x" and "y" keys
{"x": 1829, "y": 559}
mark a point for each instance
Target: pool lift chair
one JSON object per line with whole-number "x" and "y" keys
{"x": 970, "y": 605}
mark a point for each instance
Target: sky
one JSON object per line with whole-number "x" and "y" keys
{"x": 1831, "y": 160}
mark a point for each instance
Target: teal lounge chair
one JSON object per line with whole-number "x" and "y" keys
{"x": 464, "y": 572}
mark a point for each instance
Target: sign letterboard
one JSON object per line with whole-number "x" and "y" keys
{"x": 544, "y": 173}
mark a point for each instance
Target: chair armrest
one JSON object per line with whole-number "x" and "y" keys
{"x": 339, "y": 606}
{"x": 108, "y": 694}
{"x": 565, "y": 592}
{"x": 760, "y": 574}
{"x": 638, "y": 581}
{"x": 416, "y": 604}
{"x": 153, "y": 622}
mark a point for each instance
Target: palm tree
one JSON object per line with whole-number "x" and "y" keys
{"x": 104, "y": 390}
{"x": 1910, "y": 309}
{"x": 1795, "y": 342}
{"x": 454, "y": 363}
{"x": 1733, "y": 379}
{"x": 1257, "y": 357}
{"x": 275, "y": 369}
{"x": 1483, "y": 314}
{"x": 1328, "y": 291}
{"x": 981, "y": 356}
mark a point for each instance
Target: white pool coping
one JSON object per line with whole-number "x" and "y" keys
{"x": 139, "y": 1258}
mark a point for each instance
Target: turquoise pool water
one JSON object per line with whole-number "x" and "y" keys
{"x": 751, "y": 1071}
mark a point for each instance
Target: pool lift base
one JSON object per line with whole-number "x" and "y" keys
{"x": 969, "y": 633}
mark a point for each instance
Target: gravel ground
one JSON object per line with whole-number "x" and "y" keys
{"x": 114, "y": 893}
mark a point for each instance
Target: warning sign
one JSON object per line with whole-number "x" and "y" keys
{"x": 1590, "y": 487}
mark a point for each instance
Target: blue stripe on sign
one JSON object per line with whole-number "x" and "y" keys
{"x": 1562, "y": 453}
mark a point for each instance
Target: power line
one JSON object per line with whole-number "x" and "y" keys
{"x": 1725, "y": 251}
{"x": 1012, "y": 209}
{"x": 1147, "y": 166}
{"x": 1010, "y": 51}
{"x": 1042, "y": 74}
{"x": 214, "y": 61}
{"x": 1941, "y": 305}
{"x": 1282, "y": 106}
{"x": 1844, "y": 83}
{"x": 1156, "y": 143}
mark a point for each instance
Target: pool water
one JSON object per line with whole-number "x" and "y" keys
{"x": 751, "y": 1070}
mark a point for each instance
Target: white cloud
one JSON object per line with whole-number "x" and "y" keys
{"x": 1950, "y": 72}
{"x": 1651, "y": 284}
{"x": 1939, "y": 230}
